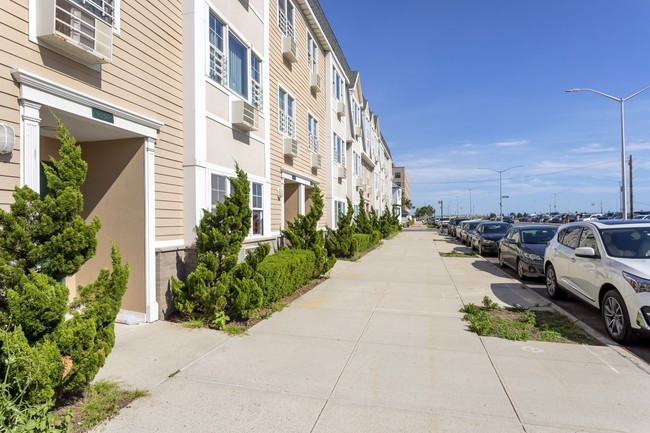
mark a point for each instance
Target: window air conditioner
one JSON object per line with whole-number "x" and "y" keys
{"x": 289, "y": 49}
{"x": 357, "y": 131}
{"x": 244, "y": 116}
{"x": 315, "y": 82}
{"x": 74, "y": 31}
{"x": 340, "y": 108}
{"x": 341, "y": 172}
{"x": 290, "y": 147}
{"x": 316, "y": 160}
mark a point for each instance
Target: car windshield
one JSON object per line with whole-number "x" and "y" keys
{"x": 537, "y": 236}
{"x": 628, "y": 242}
{"x": 472, "y": 225}
{"x": 496, "y": 228}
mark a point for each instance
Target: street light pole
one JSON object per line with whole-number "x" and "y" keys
{"x": 622, "y": 102}
{"x": 470, "y": 200}
{"x": 500, "y": 191}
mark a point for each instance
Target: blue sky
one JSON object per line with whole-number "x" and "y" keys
{"x": 463, "y": 84}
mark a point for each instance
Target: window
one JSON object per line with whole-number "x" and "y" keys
{"x": 256, "y": 81}
{"x": 356, "y": 163}
{"x": 258, "y": 208}
{"x": 356, "y": 209}
{"x": 285, "y": 17}
{"x": 238, "y": 66}
{"x": 571, "y": 237}
{"x": 312, "y": 130}
{"x": 337, "y": 84}
{"x": 339, "y": 150}
{"x": 286, "y": 114}
{"x": 339, "y": 208}
{"x": 215, "y": 41}
{"x": 218, "y": 188}
{"x": 398, "y": 175}
{"x": 312, "y": 54}
{"x": 241, "y": 70}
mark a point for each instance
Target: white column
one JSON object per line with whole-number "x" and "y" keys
{"x": 30, "y": 144}
{"x": 301, "y": 199}
{"x": 150, "y": 229}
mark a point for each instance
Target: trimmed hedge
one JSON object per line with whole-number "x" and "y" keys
{"x": 286, "y": 271}
{"x": 361, "y": 241}
{"x": 376, "y": 237}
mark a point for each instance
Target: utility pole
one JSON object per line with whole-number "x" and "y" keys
{"x": 631, "y": 191}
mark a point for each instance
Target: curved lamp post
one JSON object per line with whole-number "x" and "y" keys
{"x": 500, "y": 192}
{"x": 622, "y": 102}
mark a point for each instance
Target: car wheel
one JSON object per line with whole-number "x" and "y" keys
{"x": 520, "y": 270}
{"x": 617, "y": 321}
{"x": 501, "y": 262}
{"x": 552, "y": 287}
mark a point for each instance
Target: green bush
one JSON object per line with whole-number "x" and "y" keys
{"x": 286, "y": 271}
{"x": 220, "y": 287}
{"x": 340, "y": 242}
{"x": 302, "y": 233}
{"x": 375, "y": 237}
{"x": 43, "y": 353}
{"x": 361, "y": 241}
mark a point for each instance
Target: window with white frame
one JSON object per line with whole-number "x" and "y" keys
{"x": 338, "y": 149}
{"x": 339, "y": 209}
{"x": 218, "y": 189}
{"x": 356, "y": 209}
{"x": 356, "y": 113}
{"x": 356, "y": 164}
{"x": 257, "y": 195}
{"x": 312, "y": 54}
{"x": 286, "y": 114}
{"x": 256, "y": 81}
{"x": 285, "y": 17}
{"x": 232, "y": 63}
{"x": 312, "y": 132}
{"x": 337, "y": 84}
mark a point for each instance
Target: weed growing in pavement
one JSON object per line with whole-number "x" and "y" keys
{"x": 459, "y": 254}
{"x": 234, "y": 329}
{"x": 522, "y": 324}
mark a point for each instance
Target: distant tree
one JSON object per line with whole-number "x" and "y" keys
{"x": 425, "y": 211}
{"x": 406, "y": 203}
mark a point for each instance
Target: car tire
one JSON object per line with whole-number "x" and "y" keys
{"x": 615, "y": 317}
{"x": 520, "y": 270}
{"x": 552, "y": 287}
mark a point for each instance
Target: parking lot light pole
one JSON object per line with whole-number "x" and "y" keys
{"x": 622, "y": 102}
{"x": 500, "y": 191}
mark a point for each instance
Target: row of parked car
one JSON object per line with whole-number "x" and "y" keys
{"x": 605, "y": 263}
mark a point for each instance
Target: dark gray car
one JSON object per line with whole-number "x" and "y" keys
{"x": 522, "y": 248}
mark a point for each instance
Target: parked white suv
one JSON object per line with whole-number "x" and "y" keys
{"x": 606, "y": 264}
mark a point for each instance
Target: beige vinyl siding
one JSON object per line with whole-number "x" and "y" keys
{"x": 145, "y": 76}
{"x": 295, "y": 79}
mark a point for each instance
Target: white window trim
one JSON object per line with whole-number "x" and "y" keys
{"x": 312, "y": 51}
{"x": 280, "y": 113}
{"x": 314, "y": 136}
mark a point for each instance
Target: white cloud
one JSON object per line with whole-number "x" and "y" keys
{"x": 593, "y": 148}
{"x": 511, "y": 143}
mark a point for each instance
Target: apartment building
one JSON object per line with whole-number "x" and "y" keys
{"x": 92, "y": 63}
{"x": 299, "y": 127}
{"x": 164, "y": 98}
{"x": 401, "y": 179}
{"x": 226, "y": 109}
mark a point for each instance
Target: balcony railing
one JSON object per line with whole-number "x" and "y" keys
{"x": 287, "y": 124}
{"x": 313, "y": 143}
{"x": 285, "y": 25}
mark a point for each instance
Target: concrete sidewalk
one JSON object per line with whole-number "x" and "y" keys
{"x": 378, "y": 347}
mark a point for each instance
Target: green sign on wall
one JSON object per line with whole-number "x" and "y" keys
{"x": 102, "y": 115}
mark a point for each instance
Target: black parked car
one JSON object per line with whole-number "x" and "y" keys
{"x": 487, "y": 235}
{"x": 522, "y": 248}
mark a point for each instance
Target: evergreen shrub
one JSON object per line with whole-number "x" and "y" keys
{"x": 286, "y": 271}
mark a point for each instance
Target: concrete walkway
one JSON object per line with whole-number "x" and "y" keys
{"x": 378, "y": 347}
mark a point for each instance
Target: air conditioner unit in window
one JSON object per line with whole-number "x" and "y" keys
{"x": 341, "y": 172}
{"x": 315, "y": 82}
{"x": 244, "y": 116}
{"x": 316, "y": 160}
{"x": 340, "y": 108}
{"x": 290, "y": 147}
{"x": 74, "y": 31}
{"x": 357, "y": 131}
{"x": 358, "y": 182}
{"x": 289, "y": 49}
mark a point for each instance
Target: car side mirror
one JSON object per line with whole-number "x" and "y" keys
{"x": 586, "y": 252}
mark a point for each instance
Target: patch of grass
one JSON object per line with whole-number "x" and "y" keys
{"x": 100, "y": 401}
{"x": 195, "y": 323}
{"x": 520, "y": 324}
{"x": 456, "y": 253}
{"x": 234, "y": 329}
